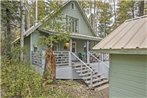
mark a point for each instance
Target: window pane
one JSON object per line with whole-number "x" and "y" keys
{"x": 71, "y": 24}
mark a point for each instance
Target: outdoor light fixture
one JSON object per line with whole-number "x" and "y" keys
{"x": 66, "y": 45}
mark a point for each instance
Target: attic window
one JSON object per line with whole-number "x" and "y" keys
{"x": 72, "y": 6}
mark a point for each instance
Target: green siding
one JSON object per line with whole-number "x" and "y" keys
{"x": 83, "y": 27}
{"x": 128, "y": 76}
{"x": 27, "y": 48}
{"x": 35, "y": 39}
{"x": 80, "y": 46}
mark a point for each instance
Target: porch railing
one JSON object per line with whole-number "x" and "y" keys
{"x": 37, "y": 58}
{"x": 100, "y": 56}
{"x": 84, "y": 65}
{"x": 103, "y": 68}
{"x": 62, "y": 58}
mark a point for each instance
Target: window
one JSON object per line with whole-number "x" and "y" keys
{"x": 72, "y": 24}
{"x": 56, "y": 47}
{"x": 74, "y": 47}
{"x": 72, "y": 6}
{"x": 35, "y": 48}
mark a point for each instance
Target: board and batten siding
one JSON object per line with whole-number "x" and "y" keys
{"x": 128, "y": 76}
{"x": 83, "y": 27}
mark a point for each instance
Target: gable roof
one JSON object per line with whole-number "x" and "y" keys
{"x": 131, "y": 35}
{"x": 37, "y": 25}
{"x": 33, "y": 28}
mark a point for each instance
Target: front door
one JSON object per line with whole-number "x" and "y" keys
{"x": 74, "y": 46}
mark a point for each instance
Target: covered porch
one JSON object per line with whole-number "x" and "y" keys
{"x": 78, "y": 49}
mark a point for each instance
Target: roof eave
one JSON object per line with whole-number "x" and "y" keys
{"x": 141, "y": 51}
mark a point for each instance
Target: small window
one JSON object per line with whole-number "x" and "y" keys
{"x": 35, "y": 48}
{"x": 72, "y": 6}
{"x": 55, "y": 47}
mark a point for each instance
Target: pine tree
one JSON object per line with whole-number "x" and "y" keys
{"x": 141, "y": 8}
{"x": 104, "y": 19}
{"x": 10, "y": 19}
{"x": 125, "y": 11}
{"x": 56, "y": 25}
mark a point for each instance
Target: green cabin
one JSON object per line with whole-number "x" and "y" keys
{"x": 127, "y": 46}
{"x": 74, "y": 59}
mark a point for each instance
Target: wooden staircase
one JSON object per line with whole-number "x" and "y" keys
{"x": 89, "y": 75}
{"x": 92, "y": 79}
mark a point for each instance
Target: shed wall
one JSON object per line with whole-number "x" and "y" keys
{"x": 128, "y": 77}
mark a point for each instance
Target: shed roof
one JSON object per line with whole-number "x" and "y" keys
{"x": 130, "y": 35}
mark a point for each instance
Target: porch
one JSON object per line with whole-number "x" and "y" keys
{"x": 66, "y": 59}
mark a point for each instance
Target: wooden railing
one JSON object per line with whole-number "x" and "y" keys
{"x": 62, "y": 58}
{"x": 100, "y": 56}
{"x": 103, "y": 68}
{"x": 84, "y": 64}
{"x": 37, "y": 58}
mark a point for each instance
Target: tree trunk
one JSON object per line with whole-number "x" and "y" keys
{"x": 27, "y": 16}
{"x": 49, "y": 74}
{"x": 114, "y": 7}
{"x": 8, "y": 35}
{"x": 141, "y": 8}
{"x": 22, "y": 30}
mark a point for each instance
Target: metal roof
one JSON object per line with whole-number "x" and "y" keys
{"x": 132, "y": 34}
{"x": 85, "y": 37}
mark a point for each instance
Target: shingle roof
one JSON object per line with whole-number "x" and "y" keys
{"x": 132, "y": 34}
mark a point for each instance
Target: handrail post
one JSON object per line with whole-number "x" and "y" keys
{"x": 70, "y": 51}
{"x": 91, "y": 80}
{"x": 88, "y": 57}
{"x": 70, "y": 62}
{"x": 81, "y": 69}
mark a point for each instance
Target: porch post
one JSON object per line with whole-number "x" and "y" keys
{"x": 70, "y": 50}
{"x": 31, "y": 49}
{"x": 102, "y": 56}
{"x": 88, "y": 57}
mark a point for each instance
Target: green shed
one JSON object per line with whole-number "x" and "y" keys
{"x": 127, "y": 46}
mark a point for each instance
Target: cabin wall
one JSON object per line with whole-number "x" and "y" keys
{"x": 27, "y": 49}
{"x": 92, "y": 44}
{"x": 35, "y": 41}
{"x": 83, "y": 27}
{"x": 128, "y": 76}
{"x": 79, "y": 45}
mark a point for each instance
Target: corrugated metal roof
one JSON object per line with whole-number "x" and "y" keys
{"x": 132, "y": 34}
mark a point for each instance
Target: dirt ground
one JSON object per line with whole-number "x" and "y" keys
{"x": 79, "y": 90}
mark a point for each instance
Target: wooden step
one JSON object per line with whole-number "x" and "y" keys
{"x": 76, "y": 65}
{"x": 79, "y": 68}
{"x": 89, "y": 77}
{"x": 94, "y": 80}
{"x": 102, "y": 87}
{"x": 87, "y": 73}
{"x": 100, "y": 83}
{"x": 81, "y": 71}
